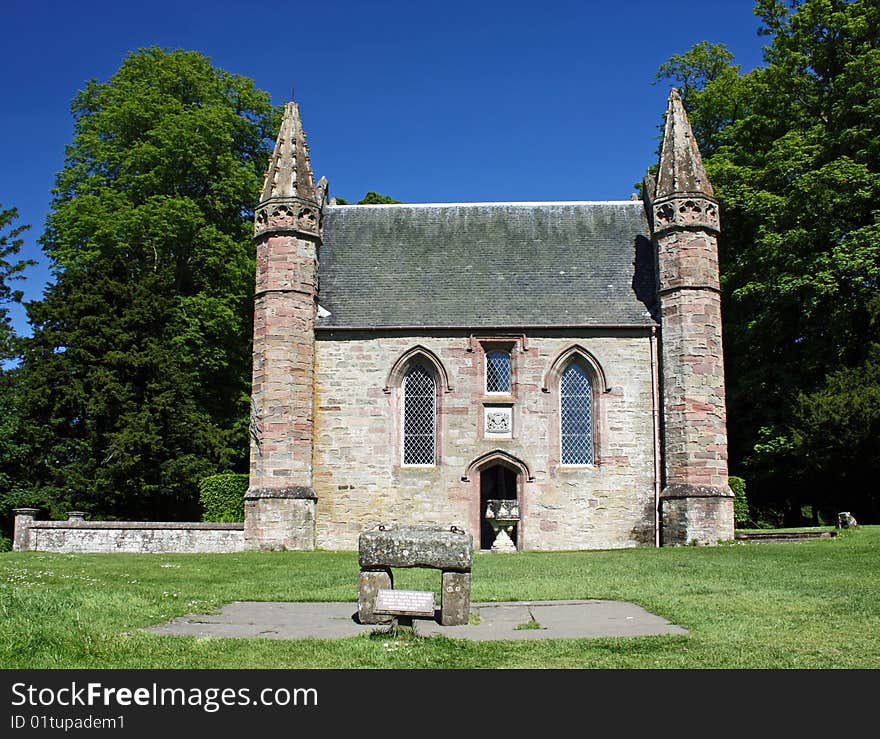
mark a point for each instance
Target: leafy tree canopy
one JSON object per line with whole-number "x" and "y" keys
{"x": 11, "y": 269}
{"x": 793, "y": 151}
{"x": 371, "y": 198}
{"x": 13, "y": 454}
{"x": 374, "y": 198}
{"x": 137, "y": 378}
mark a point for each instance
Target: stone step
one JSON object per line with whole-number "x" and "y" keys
{"x": 783, "y": 535}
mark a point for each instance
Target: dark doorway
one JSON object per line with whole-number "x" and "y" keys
{"x": 496, "y": 483}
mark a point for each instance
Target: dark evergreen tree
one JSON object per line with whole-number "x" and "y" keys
{"x": 137, "y": 378}
{"x": 793, "y": 150}
{"x": 13, "y": 453}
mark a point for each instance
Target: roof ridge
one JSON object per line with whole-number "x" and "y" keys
{"x": 497, "y": 203}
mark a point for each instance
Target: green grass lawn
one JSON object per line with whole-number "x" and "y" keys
{"x": 804, "y": 605}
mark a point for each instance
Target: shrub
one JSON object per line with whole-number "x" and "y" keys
{"x": 222, "y": 497}
{"x": 740, "y": 503}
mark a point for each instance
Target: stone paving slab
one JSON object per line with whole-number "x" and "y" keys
{"x": 567, "y": 619}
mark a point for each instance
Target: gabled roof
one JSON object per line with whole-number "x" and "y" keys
{"x": 486, "y": 265}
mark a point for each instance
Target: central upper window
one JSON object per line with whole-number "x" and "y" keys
{"x": 498, "y": 372}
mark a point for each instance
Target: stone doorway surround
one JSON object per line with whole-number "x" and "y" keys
{"x": 473, "y": 475}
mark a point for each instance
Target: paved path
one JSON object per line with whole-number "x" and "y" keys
{"x": 561, "y": 619}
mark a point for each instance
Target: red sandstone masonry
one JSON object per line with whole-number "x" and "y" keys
{"x": 694, "y": 419}
{"x": 279, "y": 505}
{"x": 696, "y": 502}
{"x": 284, "y": 362}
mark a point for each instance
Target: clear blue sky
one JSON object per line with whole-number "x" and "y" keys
{"x": 426, "y": 102}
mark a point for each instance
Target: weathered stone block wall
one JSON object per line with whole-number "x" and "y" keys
{"x": 360, "y": 481}
{"x": 77, "y": 536}
{"x": 280, "y": 522}
{"x": 696, "y": 520}
{"x": 693, "y": 389}
{"x": 686, "y": 259}
{"x": 284, "y": 315}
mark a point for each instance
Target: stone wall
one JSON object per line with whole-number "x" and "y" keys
{"x": 359, "y": 479}
{"x": 81, "y": 536}
{"x": 694, "y": 520}
{"x": 696, "y": 501}
{"x": 284, "y": 315}
{"x": 693, "y": 389}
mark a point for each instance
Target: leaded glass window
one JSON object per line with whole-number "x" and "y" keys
{"x": 419, "y": 417}
{"x": 498, "y": 372}
{"x": 576, "y": 415}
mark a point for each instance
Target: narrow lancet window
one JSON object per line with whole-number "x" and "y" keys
{"x": 576, "y": 415}
{"x": 419, "y": 417}
{"x": 498, "y": 372}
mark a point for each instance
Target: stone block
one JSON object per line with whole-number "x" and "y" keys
{"x": 283, "y": 521}
{"x": 455, "y": 598}
{"x": 370, "y": 582}
{"x": 24, "y": 517}
{"x": 441, "y": 547}
{"x": 696, "y": 520}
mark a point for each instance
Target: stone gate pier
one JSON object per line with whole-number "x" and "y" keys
{"x": 445, "y": 548}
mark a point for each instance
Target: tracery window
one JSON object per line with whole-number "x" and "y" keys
{"x": 419, "y": 417}
{"x": 498, "y": 371}
{"x": 576, "y": 415}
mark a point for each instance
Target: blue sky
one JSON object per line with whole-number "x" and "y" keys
{"x": 423, "y": 101}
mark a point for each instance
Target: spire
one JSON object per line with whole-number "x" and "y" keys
{"x": 681, "y": 166}
{"x": 290, "y": 172}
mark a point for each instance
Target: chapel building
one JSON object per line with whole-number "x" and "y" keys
{"x": 417, "y": 364}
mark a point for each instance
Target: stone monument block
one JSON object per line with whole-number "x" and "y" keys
{"x": 441, "y": 547}
{"x": 445, "y": 548}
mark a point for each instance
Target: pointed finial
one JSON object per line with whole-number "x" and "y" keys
{"x": 290, "y": 171}
{"x": 681, "y": 166}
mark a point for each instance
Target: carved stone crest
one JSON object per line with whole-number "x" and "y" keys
{"x": 498, "y": 421}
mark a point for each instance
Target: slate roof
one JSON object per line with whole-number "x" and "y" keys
{"x": 486, "y": 265}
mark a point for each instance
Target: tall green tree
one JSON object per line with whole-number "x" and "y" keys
{"x": 11, "y": 269}
{"x": 137, "y": 377}
{"x": 793, "y": 150}
{"x": 13, "y": 454}
{"x": 371, "y": 198}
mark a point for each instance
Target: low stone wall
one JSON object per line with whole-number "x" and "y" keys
{"x": 76, "y": 535}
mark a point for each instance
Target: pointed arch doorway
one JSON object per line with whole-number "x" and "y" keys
{"x": 496, "y": 475}
{"x": 497, "y": 482}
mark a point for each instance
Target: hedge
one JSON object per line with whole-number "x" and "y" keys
{"x": 740, "y": 503}
{"x": 222, "y": 497}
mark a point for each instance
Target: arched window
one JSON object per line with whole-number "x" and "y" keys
{"x": 498, "y": 371}
{"x": 576, "y": 415}
{"x": 419, "y": 417}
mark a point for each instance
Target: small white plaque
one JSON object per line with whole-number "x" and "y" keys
{"x": 405, "y": 602}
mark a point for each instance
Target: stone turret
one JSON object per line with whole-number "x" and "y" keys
{"x": 280, "y": 502}
{"x": 696, "y": 502}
